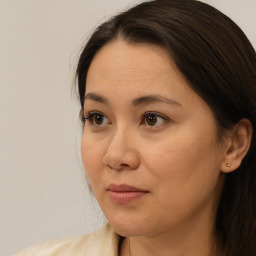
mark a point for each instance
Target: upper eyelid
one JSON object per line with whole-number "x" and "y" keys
{"x": 88, "y": 113}
{"x": 153, "y": 113}
{"x": 146, "y": 113}
{"x": 157, "y": 114}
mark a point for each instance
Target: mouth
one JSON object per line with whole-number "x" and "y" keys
{"x": 124, "y": 194}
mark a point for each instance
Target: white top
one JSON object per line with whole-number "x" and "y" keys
{"x": 103, "y": 242}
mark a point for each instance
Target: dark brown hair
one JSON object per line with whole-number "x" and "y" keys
{"x": 219, "y": 63}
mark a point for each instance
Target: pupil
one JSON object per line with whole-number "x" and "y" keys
{"x": 98, "y": 119}
{"x": 151, "y": 120}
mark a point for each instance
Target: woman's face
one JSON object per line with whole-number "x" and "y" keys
{"x": 149, "y": 145}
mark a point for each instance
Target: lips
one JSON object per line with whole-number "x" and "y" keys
{"x": 124, "y": 188}
{"x": 124, "y": 194}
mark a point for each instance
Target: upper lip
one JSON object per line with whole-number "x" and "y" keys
{"x": 124, "y": 188}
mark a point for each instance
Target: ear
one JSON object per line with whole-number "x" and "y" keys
{"x": 238, "y": 145}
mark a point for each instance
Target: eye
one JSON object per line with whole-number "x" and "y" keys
{"x": 96, "y": 118}
{"x": 154, "y": 119}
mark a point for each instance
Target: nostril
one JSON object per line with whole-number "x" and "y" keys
{"x": 125, "y": 165}
{"x": 119, "y": 167}
{"x": 120, "y": 160}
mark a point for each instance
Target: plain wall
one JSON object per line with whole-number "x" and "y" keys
{"x": 43, "y": 193}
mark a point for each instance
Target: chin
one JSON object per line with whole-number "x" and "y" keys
{"x": 127, "y": 230}
{"x": 130, "y": 225}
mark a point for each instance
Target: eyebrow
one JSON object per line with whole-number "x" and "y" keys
{"x": 155, "y": 99}
{"x": 95, "y": 97}
{"x": 144, "y": 100}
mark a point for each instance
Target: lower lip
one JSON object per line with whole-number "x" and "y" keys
{"x": 125, "y": 197}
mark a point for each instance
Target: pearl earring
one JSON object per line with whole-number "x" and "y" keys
{"x": 228, "y": 164}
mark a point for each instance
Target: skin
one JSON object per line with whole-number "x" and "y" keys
{"x": 177, "y": 157}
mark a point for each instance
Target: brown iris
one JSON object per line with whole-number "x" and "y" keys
{"x": 98, "y": 119}
{"x": 151, "y": 120}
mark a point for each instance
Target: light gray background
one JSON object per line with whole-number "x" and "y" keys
{"x": 43, "y": 193}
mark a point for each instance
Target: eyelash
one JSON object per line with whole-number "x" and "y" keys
{"x": 91, "y": 115}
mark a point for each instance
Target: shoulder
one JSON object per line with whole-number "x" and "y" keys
{"x": 100, "y": 243}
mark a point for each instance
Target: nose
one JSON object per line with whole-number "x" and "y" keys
{"x": 121, "y": 152}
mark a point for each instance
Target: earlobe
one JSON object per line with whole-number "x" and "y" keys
{"x": 239, "y": 144}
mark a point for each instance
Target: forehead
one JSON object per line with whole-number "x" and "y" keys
{"x": 134, "y": 58}
{"x": 122, "y": 64}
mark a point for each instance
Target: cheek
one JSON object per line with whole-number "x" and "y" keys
{"x": 173, "y": 155}
{"x": 91, "y": 153}
{"x": 184, "y": 162}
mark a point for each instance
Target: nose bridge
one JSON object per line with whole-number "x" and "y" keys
{"x": 121, "y": 136}
{"x": 121, "y": 151}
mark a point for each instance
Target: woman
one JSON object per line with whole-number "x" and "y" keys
{"x": 167, "y": 92}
